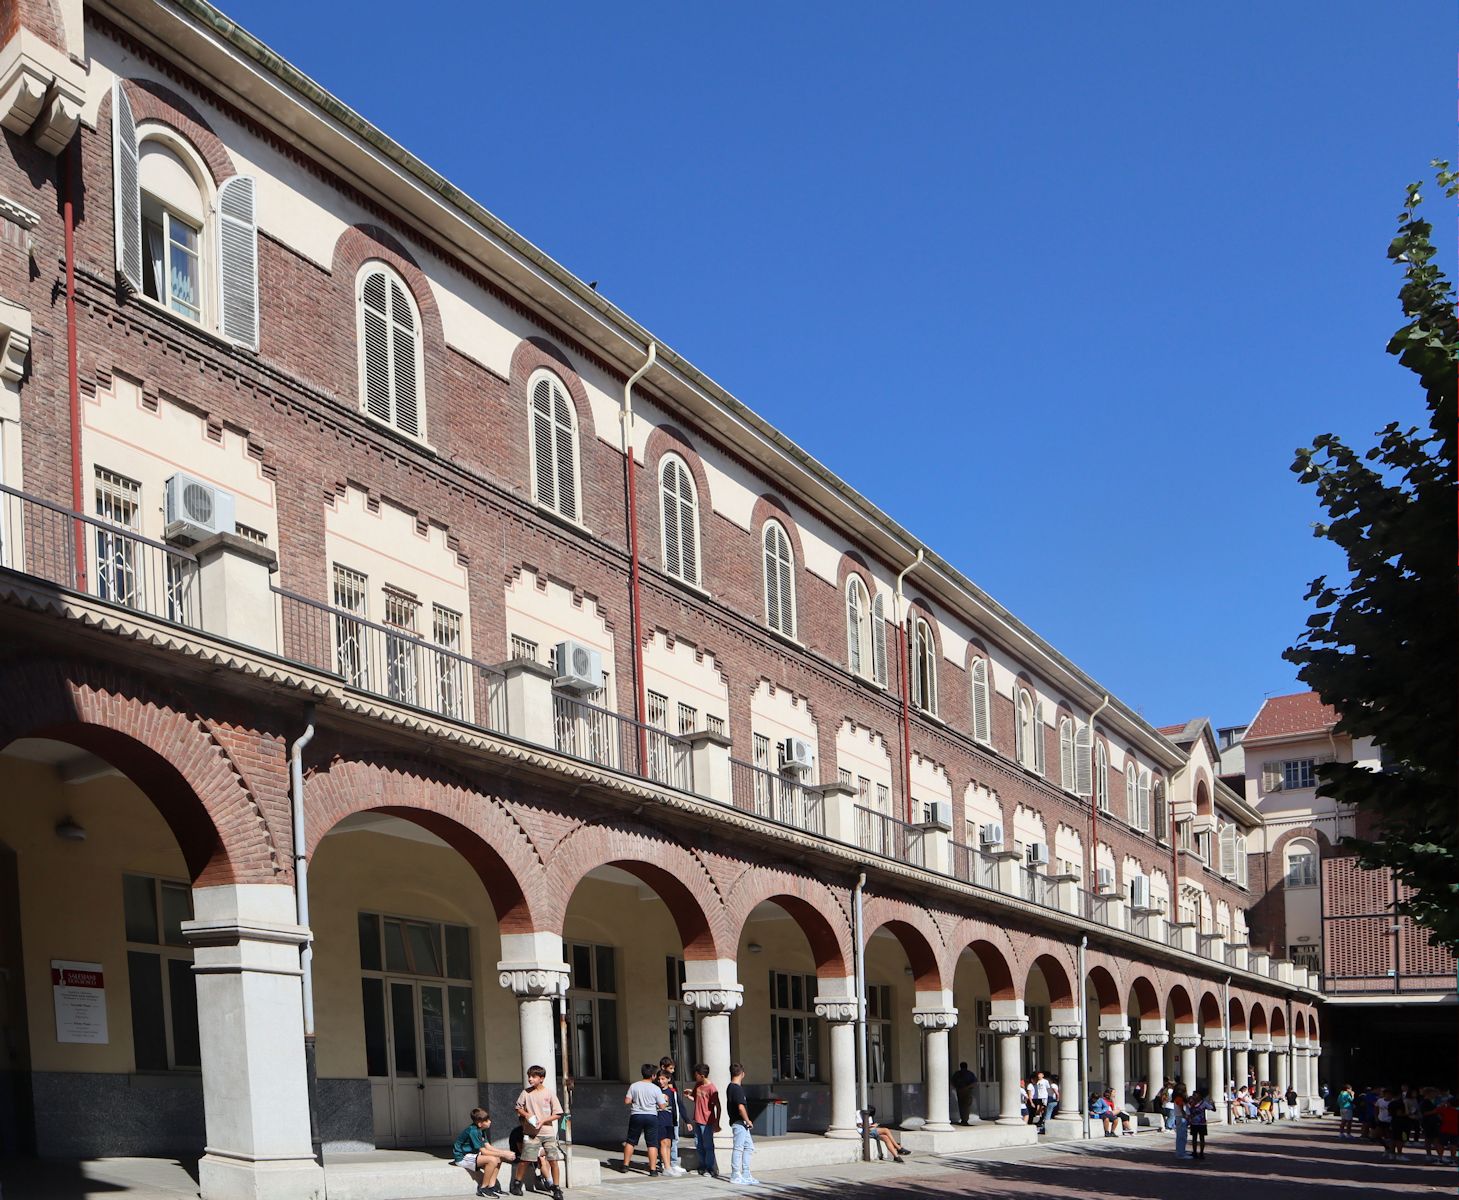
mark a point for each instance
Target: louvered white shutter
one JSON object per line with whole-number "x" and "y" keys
{"x": 914, "y": 664}
{"x": 1084, "y": 761}
{"x": 1022, "y": 706}
{"x": 567, "y": 458}
{"x": 1144, "y": 804}
{"x": 127, "y": 188}
{"x": 787, "y": 602}
{"x": 404, "y": 383}
{"x": 1241, "y": 859}
{"x": 1038, "y": 737}
{"x": 542, "y": 443}
{"x": 1228, "y": 850}
{"x": 1271, "y": 777}
{"x": 772, "y": 580}
{"x": 879, "y": 640}
{"x": 688, "y": 525}
{"x": 375, "y": 320}
{"x": 853, "y": 627}
{"x": 1132, "y": 798}
{"x": 673, "y": 560}
{"x": 1066, "y": 754}
{"x": 980, "y": 700}
{"x": 238, "y": 261}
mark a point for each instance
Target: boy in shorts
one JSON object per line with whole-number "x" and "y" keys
{"x": 538, "y": 1108}
{"x": 644, "y": 1100}
{"x": 473, "y": 1151}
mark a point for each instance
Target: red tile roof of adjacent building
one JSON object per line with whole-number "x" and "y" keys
{"x": 1284, "y": 716}
{"x": 1167, "y": 730}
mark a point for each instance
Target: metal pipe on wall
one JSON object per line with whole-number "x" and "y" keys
{"x": 301, "y": 916}
{"x": 625, "y": 420}
{"x": 858, "y": 958}
{"x": 904, "y": 668}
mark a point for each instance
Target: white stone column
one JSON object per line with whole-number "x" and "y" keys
{"x": 1114, "y": 1038}
{"x": 533, "y": 968}
{"x": 246, "y": 943}
{"x": 712, "y": 990}
{"x": 1154, "y": 1042}
{"x": 1263, "y": 1053}
{"x": 936, "y": 1024}
{"x": 1281, "y": 1068}
{"x": 1216, "y": 1077}
{"x": 1069, "y": 1098}
{"x": 1010, "y": 1030}
{"x": 839, "y": 1013}
{"x": 1314, "y": 1079}
{"x": 1186, "y": 1043}
{"x": 1240, "y": 1060}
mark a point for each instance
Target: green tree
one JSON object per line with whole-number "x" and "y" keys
{"x": 1381, "y": 647}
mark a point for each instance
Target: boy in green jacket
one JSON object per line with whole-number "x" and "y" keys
{"x": 473, "y": 1151}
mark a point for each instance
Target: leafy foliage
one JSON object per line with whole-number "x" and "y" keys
{"x": 1381, "y": 647}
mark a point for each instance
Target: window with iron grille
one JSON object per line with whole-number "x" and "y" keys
{"x": 524, "y": 648}
{"x": 688, "y": 718}
{"x": 450, "y": 672}
{"x": 401, "y": 675}
{"x": 350, "y": 599}
{"x": 119, "y": 502}
{"x": 714, "y": 724}
{"x": 843, "y": 774}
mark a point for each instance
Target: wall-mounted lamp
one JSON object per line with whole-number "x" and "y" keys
{"x": 754, "y": 947}
{"x": 906, "y": 970}
{"x": 69, "y": 831}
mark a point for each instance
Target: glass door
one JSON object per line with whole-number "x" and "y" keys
{"x": 407, "y": 1081}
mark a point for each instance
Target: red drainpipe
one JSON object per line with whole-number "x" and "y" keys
{"x": 72, "y": 186}
{"x": 640, "y": 692}
{"x": 906, "y": 724}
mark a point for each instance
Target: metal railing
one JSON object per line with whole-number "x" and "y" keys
{"x": 971, "y": 865}
{"x": 600, "y": 735}
{"x": 1098, "y": 907}
{"x": 1037, "y": 888}
{"x": 779, "y": 798}
{"x": 1148, "y": 925}
{"x": 391, "y": 662}
{"x": 882, "y": 834}
{"x": 98, "y": 558}
{"x": 1174, "y": 935}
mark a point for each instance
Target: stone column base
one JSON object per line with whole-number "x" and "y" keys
{"x": 844, "y": 1134}
{"x": 223, "y": 1178}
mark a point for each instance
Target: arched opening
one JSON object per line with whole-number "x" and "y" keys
{"x": 901, "y": 974}
{"x": 1210, "y": 1012}
{"x": 983, "y": 977}
{"x": 1104, "y": 1009}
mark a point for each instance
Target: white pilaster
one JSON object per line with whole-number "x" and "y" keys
{"x": 1010, "y": 1024}
{"x": 1114, "y": 1036}
{"x": 1216, "y": 1077}
{"x": 839, "y": 1013}
{"x": 1069, "y": 1093}
{"x": 1187, "y": 1044}
{"x": 533, "y": 968}
{"x": 936, "y": 1022}
{"x": 1153, "y": 1036}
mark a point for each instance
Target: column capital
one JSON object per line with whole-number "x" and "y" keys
{"x": 1187, "y": 1041}
{"x": 1008, "y": 1025}
{"x": 934, "y": 1020}
{"x": 838, "y": 1010}
{"x": 1238, "y": 1044}
{"x": 534, "y": 980}
{"x": 1118, "y": 1033}
{"x": 1261, "y": 1046}
{"x": 1153, "y": 1037}
{"x": 1214, "y": 1043}
{"x": 721, "y": 998}
{"x": 1064, "y": 1032}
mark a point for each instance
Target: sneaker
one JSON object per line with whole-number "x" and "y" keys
{"x": 481, "y": 1191}
{"x": 751, "y": 1181}
{"x": 738, "y": 1179}
{"x": 516, "y": 1188}
{"x": 676, "y": 1170}
{"x": 494, "y": 1191}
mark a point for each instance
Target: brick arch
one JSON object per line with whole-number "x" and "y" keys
{"x": 476, "y": 825}
{"x": 676, "y": 874}
{"x": 1257, "y": 1021}
{"x": 1178, "y": 1004}
{"x": 918, "y": 934}
{"x": 766, "y": 507}
{"x": 1146, "y": 998}
{"x": 1278, "y": 1022}
{"x": 852, "y": 563}
{"x": 1209, "y": 1010}
{"x": 993, "y": 948}
{"x": 1202, "y": 794}
{"x": 816, "y": 908}
{"x": 172, "y": 756}
{"x": 1106, "y": 990}
{"x": 1299, "y": 1028}
{"x": 156, "y": 102}
{"x": 360, "y": 243}
{"x": 1310, "y": 833}
{"x": 1056, "y": 978}
{"x": 1236, "y": 1013}
{"x": 536, "y": 353}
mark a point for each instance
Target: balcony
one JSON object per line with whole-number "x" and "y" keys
{"x": 776, "y": 797}
{"x": 888, "y": 837}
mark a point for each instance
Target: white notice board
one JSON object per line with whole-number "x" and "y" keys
{"x": 80, "y": 992}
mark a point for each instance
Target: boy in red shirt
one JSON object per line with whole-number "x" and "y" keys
{"x": 706, "y": 1120}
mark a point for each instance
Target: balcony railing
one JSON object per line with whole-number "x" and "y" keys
{"x": 98, "y": 558}
{"x": 882, "y": 834}
{"x": 1100, "y": 907}
{"x": 599, "y": 735}
{"x": 1037, "y": 888}
{"x": 971, "y": 865}
{"x": 779, "y": 798}
{"x": 390, "y": 662}
{"x": 1148, "y": 925}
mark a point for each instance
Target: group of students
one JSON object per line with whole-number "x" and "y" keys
{"x": 1396, "y": 1117}
{"x": 1039, "y": 1099}
{"x": 1265, "y": 1104}
{"x": 533, "y": 1144}
{"x": 658, "y": 1108}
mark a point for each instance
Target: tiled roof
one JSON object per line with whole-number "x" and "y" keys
{"x": 1284, "y": 716}
{"x": 1167, "y": 730}
{"x": 1185, "y": 733}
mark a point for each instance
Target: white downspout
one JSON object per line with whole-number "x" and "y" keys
{"x": 904, "y": 668}
{"x": 301, "y": 916}
{"x": 1084, "y": 1029}
{"x": 858, "y": 959}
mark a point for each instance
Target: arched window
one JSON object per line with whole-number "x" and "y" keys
{"x": 860, "y": 654}
{"x": 391, "y": 363}
{"x": 1301, "y": 863}
{"x": 1142, "y": 803}
{"x": 924, "y": 667}
{"x": 679, "y": 504}
{"x": 779, "y": 579}
{"x": 1132, "y": 799}
{"x": 879, "y": 639}
{"x": 1101, "y": 778}
{"x": 1066, "y": 754}
{"x": 1029, "y": 732}
{"x": 555, "y": 482}
{"x": 982, "y": 717}
{"x": 180, "y": 243}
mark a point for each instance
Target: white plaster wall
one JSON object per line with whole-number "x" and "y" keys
{"x": 1028, "y": 826}
{"x": 1068, "y": 850}
{"x": 864, "y": 754}
{"x": 546, "y": 612}
{"x": 981, "y": 806}
{"x": 929, "y": 781}
{"x": 779, "y": 713}
{"x": 685, "y": 676}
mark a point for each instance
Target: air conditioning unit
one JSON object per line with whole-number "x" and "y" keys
{"x": 938, "y": 812}
{"x": 797, "y": 754}
{"x": 1104, "y": 879}
{"x": 1038, "y": 854}
{"x": 1140, "y": 892}
{"x": 579, "y": 667}
{"x": 990, "y": 835}
{"x": 196, "y": 510}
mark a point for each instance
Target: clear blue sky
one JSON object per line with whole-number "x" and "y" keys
{"x": 1060, "y": 286}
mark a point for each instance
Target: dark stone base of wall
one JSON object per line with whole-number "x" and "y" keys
{"x": 93, "y": 1115}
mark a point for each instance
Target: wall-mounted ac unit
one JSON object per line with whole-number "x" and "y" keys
{"x": 798, "y": 755}
{"x": 196, "y": 510}
{"x": 579, "y": 667}
{"x": 1104, "y": 879}
{"x": 938, "y": 812}
{"x": 1038, "y": 854}
{"x": 990, "y": 836}
{"x": 1140, "y": 892}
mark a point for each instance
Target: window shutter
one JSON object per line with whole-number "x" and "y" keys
{"x": 1241, "y": 859}
{"x": 980, "y": 699}
{"x": 787, "y": 608}
{"x": 127, "y": 185}
{"x": 1271, "y": 777}
{"x": 914, "y": 662}
{"x": 1066, "y": 754}
{"x": 688, "y": 525}
{"x": 1038, "y": 736}
{"x": 853, "y": 627}
{"x": 238, "y": 262}
{"x": 1083, "y": 761}
{"x": 567, "y": 468}
{"x": 542, "y": 443}
{"x": 673, "y": 560}
{"x": 404, "y": 383}
{"x": 879, "y": 640}
{"x": 772, "y": 580}
{"x": 1020, "y": 728}
{"x": 376, "y": 324}
{"x": 1143, "y": 805}
{"x": 1228, "y": 850}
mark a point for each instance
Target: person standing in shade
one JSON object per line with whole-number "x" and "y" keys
{"x": 1200, "y": 1104}
{"x": 1182, "y": 1124}
{"x": 963, "y": 1083}
{"x": 671, "y": 1160}
{"x": 706, "y": 1120}
{"x": 644, "y": 1100}
{"x": 744, "y": 1147}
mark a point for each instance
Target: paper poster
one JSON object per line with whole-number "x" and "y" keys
{"x": 80, "y": 995}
